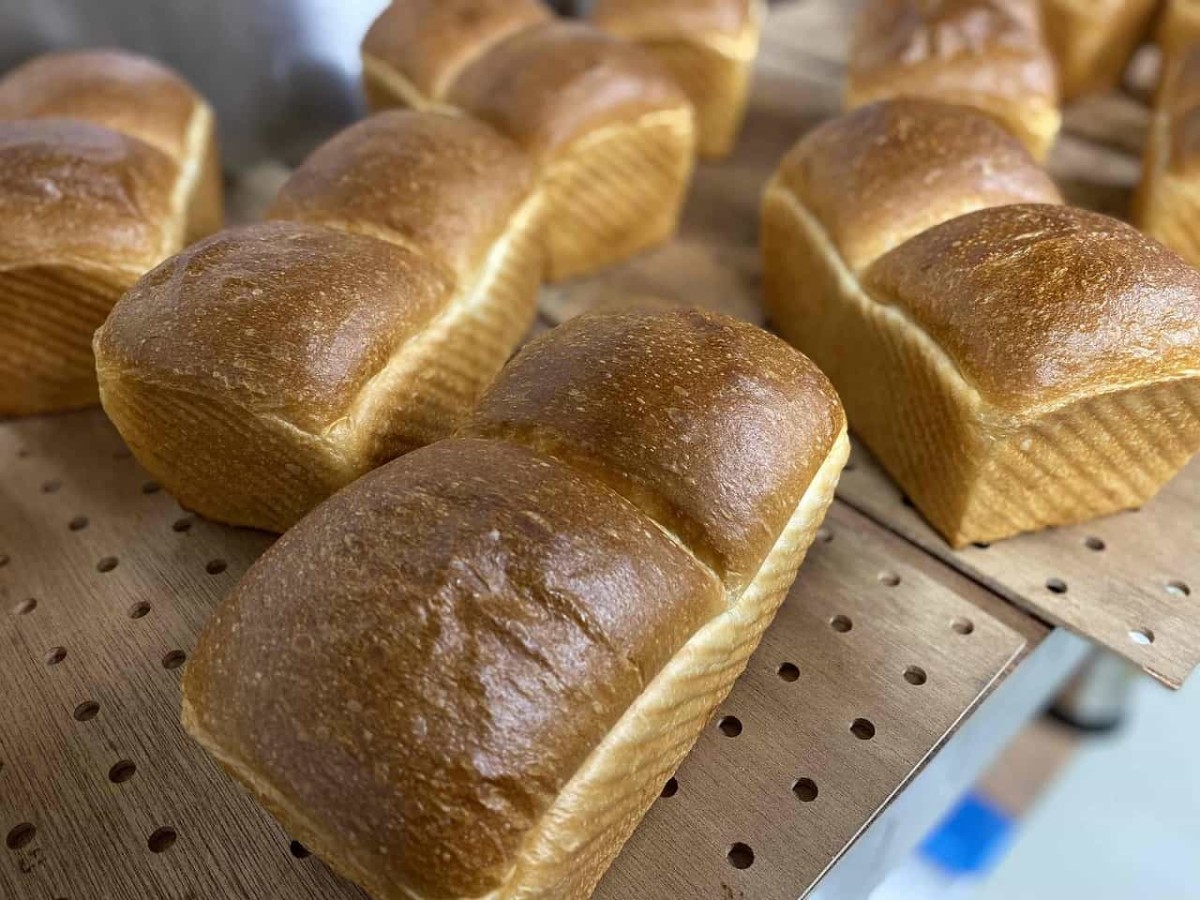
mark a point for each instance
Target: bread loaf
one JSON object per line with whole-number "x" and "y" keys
{"x": 86, "y": 211}
{"x": 1093, "y": 40}
{"x": 136, "y": 96}
{"x": 1167, "y": 201}
{"x": 1015, "y": 367}
{"x": 611, "y": 133}
{"x": 260, "y": 370}
{"x": 102, "y": 173}
{"x": 470, "y": 673}
{"x": 989, "y": 54}
{"x": 709, "y": 46}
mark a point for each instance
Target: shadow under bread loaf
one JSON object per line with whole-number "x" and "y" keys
{"x": 258, "y": 371}
{"x": 1094, "y": 40}
{"x": 988, "y": 54}
{"x": 1014, "y": 367}
{"x": 612, "y": 135}
{"x": 708, "y": 46}
{"x": 136, "y": 96}
{"x": 1167, "y": 202}
{"x": 469, "y": 673}
{"x": 86, "y": 212}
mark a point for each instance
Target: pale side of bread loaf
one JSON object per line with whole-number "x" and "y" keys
{"x": 1167, "y": 201}
{"x": 535, "y": 757}
{"x": 708, "y": 46}
{"x": 989, "y": 54}
{"x": 1079, "y": 425}
{"x": 1094, "y": 41}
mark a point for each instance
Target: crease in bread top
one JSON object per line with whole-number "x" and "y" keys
{"x": 283, "y": 318}
{"x": 696, "y": 19}
{"x": 992, "y": 46}
{"x": 885, "y": 172}
{"x": 446, "y": 186}
{"x": 74, "y": 192}
{"x": 713, "y": 427}
{"x": 124, "y": 91}
{"x": 1038, "y": 305}
{"x": 430, "y": 41}
{"x": 554, "y": 83}
{"x": 429, "y": 657}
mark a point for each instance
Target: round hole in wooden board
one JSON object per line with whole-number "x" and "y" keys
{"x": 841, "y": 624}
{"x": 86, "y": 711}
{"x": 1143, "y": 637}
{"x": 183, "y": 524}
{"x": 78, "y": 523}
{"x": 1056, "y": 586}
{"x": 122, "y": 771}
{"x": 805, "y": 789}
{"x": 915, "y": 675}
{"x": 889, "y": 579}
{"x": 863, "y": 729}
{"x": 55, "y": 655}
{"x": 106, "y": 564}
{"x": 215, "y": 566}
{"x": 671, "y": 788}
{"x": 1094, "y": 543}
{"x": 731, "y": 726}
{"x": 161, "y": 839}
{"x": 962, "y": 626}
{"x": 298, "y": 850}
{"x": 788, "y": 672}
{"x": 20, "y": 836}
{"x": 25, "y": 607}
{"x": 740, "y": 856}
{"x": 1178, "y": 589}
{"x": 174, "y": 659}
{"x": 139, "y": 609}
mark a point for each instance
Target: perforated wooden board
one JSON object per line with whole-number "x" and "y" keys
{"x": 106, "y": 583}
{"x": 1142, "y": 582}
{"x": 1129, "y": 581}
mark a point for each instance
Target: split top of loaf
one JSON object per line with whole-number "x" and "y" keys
{"x": 79, "y": 195}
{"x": 411, "y": 675}
{"x": 541, "y": 81}
{"x": 429, "y": 42}
{"x": 884, "y": 173}
{"x": 129, "y": 93}
{"x": 443, "y": 186}
{"x": 719, "y": 20}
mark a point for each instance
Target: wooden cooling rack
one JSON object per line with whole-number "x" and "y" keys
{"x": 878, "y": 674}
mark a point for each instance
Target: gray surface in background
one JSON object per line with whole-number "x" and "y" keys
{"x": 282, "y": 74}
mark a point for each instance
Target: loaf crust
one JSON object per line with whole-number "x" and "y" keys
{"x": 612, "y": 135}
{"x": 86, "y": 211}
{"x": 989, "y": 54}
{"x": 542, "y": 651}
{"x": 136, "y": 96}
{"x": 302, "y": 354}
{"x": 1095, "y": 411}
{"x": 708, "y": 46}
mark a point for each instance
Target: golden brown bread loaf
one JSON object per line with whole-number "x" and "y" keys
{"x": 134, "y": 95}
{"x": 85, "y": 212}
{"x": 612, "y": 135}
{"x": 469, "y": 673}
{"x": 262, "y": 369}
{"x": 1167, "y": 201}
{"x": 989, "y": 54}
{"x": 1093, "y": 40}
{"x": 1015, "y": 367}
{"x": 708, "y": 46}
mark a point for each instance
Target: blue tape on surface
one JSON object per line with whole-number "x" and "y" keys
{"x": 970, "y": 839}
